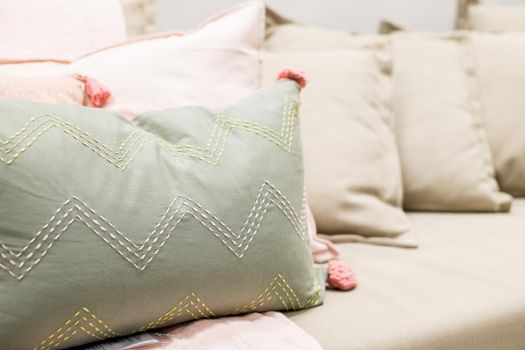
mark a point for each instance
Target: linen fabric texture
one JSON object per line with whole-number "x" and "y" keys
{"x": 446, "y": 160}
{"x": 462, "y": 289}
{"x": 445, "y": 156}
{"x": 500, "y": 73}
{"x": 491, "y": 17}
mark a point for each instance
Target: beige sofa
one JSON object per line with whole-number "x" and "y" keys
{"x": 463, "y": 288}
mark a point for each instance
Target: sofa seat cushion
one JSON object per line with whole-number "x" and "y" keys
{"x": 464, "y": 288}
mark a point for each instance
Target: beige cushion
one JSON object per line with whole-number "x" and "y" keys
{"x": 297, "y": 37}
{"x": 495, "y": 18}
{"x": 500, "y": 63}
{"x": 351, "y": 163}
{"x": 462, "y": 289}
{"x": 445, "y": 157}
{"x": 140, "y": 16}
{"x": 388, "y": 27}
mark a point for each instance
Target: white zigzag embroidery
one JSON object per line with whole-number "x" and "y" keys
{"x": 22, "y": 140}
{"x": 18, "y": 264}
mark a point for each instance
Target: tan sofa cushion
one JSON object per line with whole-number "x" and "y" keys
{"x": 353, "y": 175}
{"x": 298, "y": 37}
{"x": 140, "y": 16}
{"x": 445, "y": 156}
{"x": 462, "y": 289}
{"x": 388, "y": 27}
{"x": 500, "y": 69}
{"x": 446, "y": 160}
{"x": 491, "y": 17}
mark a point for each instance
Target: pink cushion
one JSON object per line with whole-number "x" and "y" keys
{"x": 213, "y": 66}
{"x": 58, "y": 29}
{"x": 62, "y": 89}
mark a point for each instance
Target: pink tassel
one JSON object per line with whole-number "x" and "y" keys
{"x": 97, "y": 94}
{"x": 340, "y": 276}
{"x": 295, "y": 75}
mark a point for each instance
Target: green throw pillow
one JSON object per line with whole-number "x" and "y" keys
{"x": 110, "y": 227}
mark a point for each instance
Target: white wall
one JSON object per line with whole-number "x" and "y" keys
{"x": 354, "y": 15}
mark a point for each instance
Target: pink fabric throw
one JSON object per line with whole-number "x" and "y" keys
{"x": 267, "y": 331}
{"x": 339, "y": 275}
{"x": 322, "y": 250}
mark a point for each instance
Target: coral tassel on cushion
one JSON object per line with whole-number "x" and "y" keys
{"x": 97, "y": 94}
{"x": 295, "y": 75}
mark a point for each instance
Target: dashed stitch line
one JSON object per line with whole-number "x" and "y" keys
{"x": 84, "y": 321}
{"x": 23, "y": 139}
{"x": 140, "y": 254}
{"x": 191, "y": 304}
{"x": 315, "y": 298}
{"x": 279, "y": 288}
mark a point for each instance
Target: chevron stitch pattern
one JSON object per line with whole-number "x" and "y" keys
{"x": 278, "y": 288}
{"x": 86, "y": 322}
{"x": 82, "y": 321}
{"x": 191, "y": 305}
{"x": 140, "y": 255}
{"x": 22, "y": 140}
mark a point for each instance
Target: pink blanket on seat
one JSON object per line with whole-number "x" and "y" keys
{"x": 255, "y": 331}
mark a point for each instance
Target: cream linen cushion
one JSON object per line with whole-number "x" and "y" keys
{"x": 351, "y": 162}
{"x": 298, "y": 37}
{"x": 140, "y": 16}
{"x": 282, "y": 34}
{"x": 500, "y": 63}
{"x": 446, "y": 160}
{"x": 490, "y": 17}
{"x": 445, "y": 157}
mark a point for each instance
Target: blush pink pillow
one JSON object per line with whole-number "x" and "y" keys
{"x": 61, "y": 89}
{"x": 212, "y": 66}
{"x": 58, "y": 29}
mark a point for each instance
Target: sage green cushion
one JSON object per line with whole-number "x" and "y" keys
{"x": 109, "y": 227}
